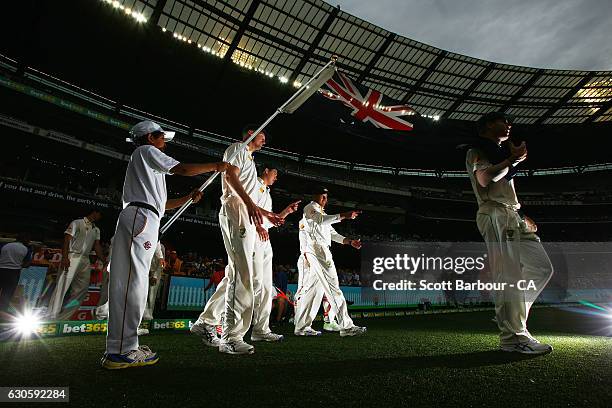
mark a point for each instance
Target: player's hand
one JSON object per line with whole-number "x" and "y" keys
{"x": 517, "y": 153}
{"x": 222, "y": 166}
{"x": 255, "y": 215}
{"x": 355, "y": 243}
{"x": 263, "y": 234}
{"x": 196, "y": 195}
{"x": 291, "y": 208}
{"x": 350, "y": 215}
{"x": 531, "y": 225}
{"x": 276, "y": 219}
{"x": 65, "y": 263}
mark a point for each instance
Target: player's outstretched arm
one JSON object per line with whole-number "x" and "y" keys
{"x": 290, "y": 209}
{"x": 355, "y": 243}
{"x": 195, "y": 195}
{"x": 349, "y": 215}
{"x": 274, "y": 219}
{"x": 193, "y": 169}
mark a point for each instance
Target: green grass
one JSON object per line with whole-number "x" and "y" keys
{"x": 431, "y": 360}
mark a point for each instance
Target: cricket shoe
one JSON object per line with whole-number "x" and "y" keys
{"x": 207, "y": 332}
{"x": 307, "y": 332}
{"x": 143, "y": 356}
{"x": 353, "y": 331}
{"x": 331, "y": 327}
{"x": 269, "y": 337}
{"x": 142, "y": 331}
{"x": 236, "y": 347}
{"x": 527, "y": 347}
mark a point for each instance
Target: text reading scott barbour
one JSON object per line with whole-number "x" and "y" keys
{"x": 401, "y": 266}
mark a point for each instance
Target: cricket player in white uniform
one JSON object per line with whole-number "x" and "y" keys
{"x": 232, "y": 302}
{"x": 263, "y": 287}
{"x": 515, "y": 251}
{"x": 318, "y": 275}
{"x": 144, "y": 203}
{"x": 75, "y": 269}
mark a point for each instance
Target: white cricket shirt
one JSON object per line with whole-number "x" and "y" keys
{"x": 316, "y": 228}
{"x": 501, "y": 192}
{"x": 145, "y": 178}
{"x": 264, "y": 200}
{"x": 84, "y": 234}
{"x": 248, "y": 172}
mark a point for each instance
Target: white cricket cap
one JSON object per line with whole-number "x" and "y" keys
{"x": 148, "y": 126}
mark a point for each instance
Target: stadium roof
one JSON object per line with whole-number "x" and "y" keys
{"x": 290, "y": 39}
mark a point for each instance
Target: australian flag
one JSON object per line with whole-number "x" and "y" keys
{"x": 367, "y": 106}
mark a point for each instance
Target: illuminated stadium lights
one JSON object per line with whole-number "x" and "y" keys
{"x": 596, "y": 92}
{"x": 27, "y": 323}
{"x": 283, "y": 79}
{"x": 433, "y": 117}
{"x": 297, "y": 84}
{"x": 139, "y": 17}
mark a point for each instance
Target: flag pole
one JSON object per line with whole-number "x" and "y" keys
{"x": 296, "y": 100}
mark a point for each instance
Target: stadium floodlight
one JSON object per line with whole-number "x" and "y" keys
{"x": 293, "y": 103}
{"x": 27, "y": 323}
{"x": 283, "y": 79}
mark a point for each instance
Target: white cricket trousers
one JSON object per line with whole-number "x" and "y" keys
{"x": 514, "y": 254}
{"x": 133, "y": 248}
{"x": 263, "y": 287}
{"x": 318, "y": 277}
{"x": 75, "y": 279}
{"x": 233, "y": 298}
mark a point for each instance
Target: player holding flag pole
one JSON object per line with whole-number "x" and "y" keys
{"x": 144, "y": 203}
{"x": 290, "y": 106}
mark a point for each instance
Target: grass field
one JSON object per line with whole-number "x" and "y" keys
{"x": 430, "y": 360}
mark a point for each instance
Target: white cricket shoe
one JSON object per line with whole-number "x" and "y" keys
{"x": 269, "y": 337}
{"x": 527, "y": 347}
{"x": 331, "y": 327}
{"x": 236, "y": 347}
{"x": 353, "y": 331}
{"x": 142, "y": 331}
{"x": 307, "y": 332}
{"x": 207, "y": 332}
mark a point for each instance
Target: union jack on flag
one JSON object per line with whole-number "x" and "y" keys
{"x": 367, "y": 105}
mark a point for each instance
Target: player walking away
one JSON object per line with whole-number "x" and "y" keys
{"x": 263, "y": 288}
{"x": 515, "y": 251}
{"x": 238, "y": 218}
{"x": 13, "y": 257}
{"x": 75, "y": 268}
{"x": 144, "y": 203}
{"x": 318, "y": 275}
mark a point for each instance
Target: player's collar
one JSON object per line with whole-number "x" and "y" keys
{"x": 264, "y": 185}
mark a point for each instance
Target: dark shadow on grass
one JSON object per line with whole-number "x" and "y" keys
{"x": 332, "y": 370}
